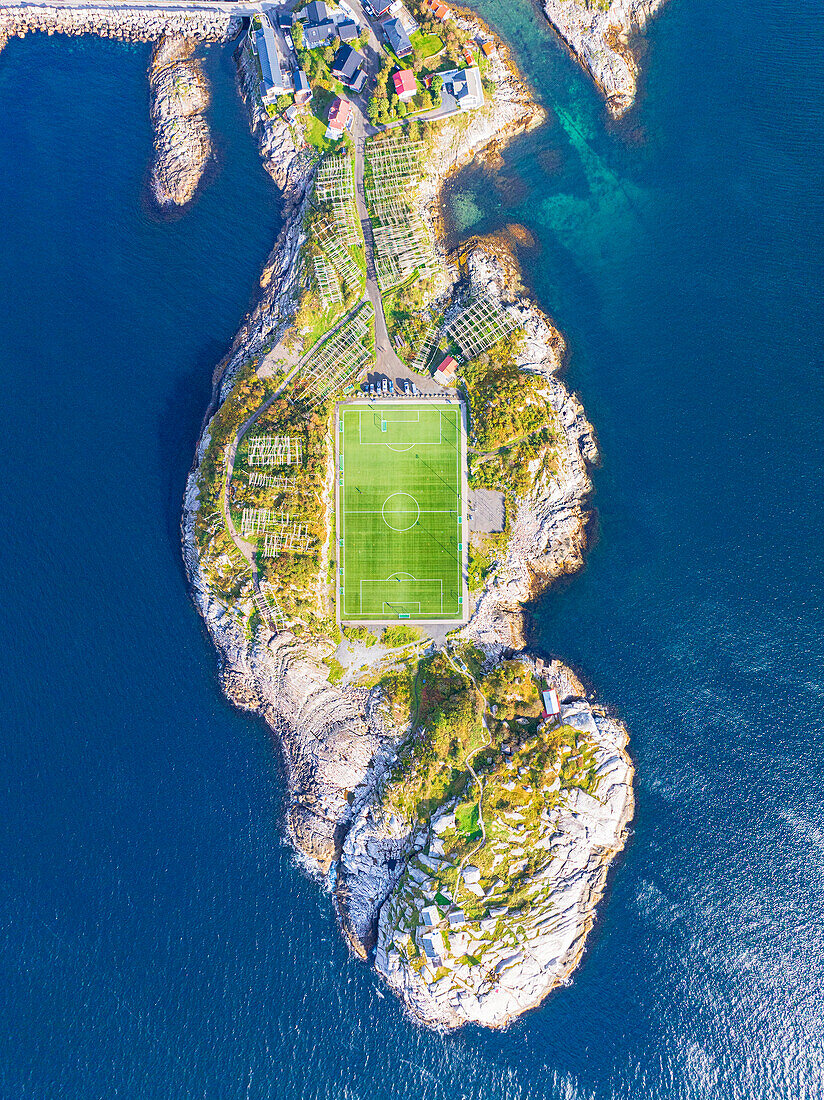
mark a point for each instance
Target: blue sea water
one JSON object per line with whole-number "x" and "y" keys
{"x": 156, "y": 938}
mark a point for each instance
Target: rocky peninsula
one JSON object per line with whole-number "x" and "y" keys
{"x": 466, "y": 837}
{"x": 602, "y": 34}
{"x": 461, "y": 800}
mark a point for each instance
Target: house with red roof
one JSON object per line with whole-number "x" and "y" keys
{"x": 446, "y": 372}
{"x": 340, "y": 118}
{"x": 405, "y": 83}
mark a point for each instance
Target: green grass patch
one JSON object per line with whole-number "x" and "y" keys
{"x": 467, "y": 818}
{"x": 426, "y": 45}
{"x": 360, "y": 634}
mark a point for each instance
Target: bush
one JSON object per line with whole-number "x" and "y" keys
{"x": 400, "y": 635}
{"x": 360, "y": 634}
{"x": 336, "y": 670}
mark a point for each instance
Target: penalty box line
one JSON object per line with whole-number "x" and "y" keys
{"x": 386, "y": 580}
{"x": 383, "y": 443}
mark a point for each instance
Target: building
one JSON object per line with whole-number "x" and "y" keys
{"x": 285, "y": 20}
{"x": 317, "y": 12}
{"x": 405, "y": 84}
{"x": 465, "y": 86}
{"x": 348, "y": 30}
{"x": 272, "y": 84}
{"x": 431, "y": 915}
{"x": 396, "y": 37}
{"x": 432, "y": 945}
{"x": 340, "y": 118}
{"x": 446, "y": 372}
{"x": 303, "y": 90}
{"x": 378, "y": 7}
{"x": 467, "y": 55}
{"x": 552, "y": 704}
{"x": 487, "y": 48}
{"x": 291, "y": 113}
{"x": 318, "y": 34}
{"x": 440, "y": 11}
{"x": 346, "y": 66}
{"x": 408, "y": 21}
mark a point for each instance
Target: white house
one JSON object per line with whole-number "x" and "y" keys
{"x": 465, "y": 86}
{"x": 272, "y": 83}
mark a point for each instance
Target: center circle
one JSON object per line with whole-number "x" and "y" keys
{"x": 400, "y": 511}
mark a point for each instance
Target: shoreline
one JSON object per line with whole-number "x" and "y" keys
{"x": 342, "y": 743}
{"x": 604, "y": 43}
{"x": 338, "y": 743}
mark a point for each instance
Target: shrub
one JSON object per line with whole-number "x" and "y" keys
{"x": 400, "y": 635}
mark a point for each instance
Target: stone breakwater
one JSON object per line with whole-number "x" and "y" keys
{"x": 339, "y": 743}
{"x": 123, "y": 23}
{"x": 601, "y": 39}
{"x": 179, "y": 98}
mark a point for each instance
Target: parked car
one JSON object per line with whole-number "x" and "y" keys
{"x": 406, "y": 389}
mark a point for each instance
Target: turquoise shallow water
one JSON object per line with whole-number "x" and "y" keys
{"x": 156, "y": 938}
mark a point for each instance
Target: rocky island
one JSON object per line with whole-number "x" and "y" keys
{"x": 461, "y": 799}
{"x": 180, "y": 97}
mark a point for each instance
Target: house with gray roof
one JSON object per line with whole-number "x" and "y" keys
{"x": 272, "y": 83}
{"x": 396, "y": 37}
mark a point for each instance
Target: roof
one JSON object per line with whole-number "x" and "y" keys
{"x": 346, "y": 63}
{"x": 487, "y": 48}
{"x": 317, "y": 12}
{"x": 551, "y": 701}
{"x": 432, "y": 946}
{"x": 440, "y": 11}
{"x": 466, "y": 87}
{"x": 317, "y": 34}
{"x": 397, "y": 37}
{"x": 268, "y": 57}
{"x": 340, "y": 112}
{"x": 379, "y": 7}
{"x": 404, "y": 81}
{"x": 301, "y": 81}
{"x": 431, "y": 915}
{"x": 285, "y": 19}
{"x": 348, "y": 31}
{"x": 448, "y": 365}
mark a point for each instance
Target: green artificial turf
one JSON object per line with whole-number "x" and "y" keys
{"x": 400, "y": 511}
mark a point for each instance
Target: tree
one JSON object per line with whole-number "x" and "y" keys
{"x": 297, "y": 35}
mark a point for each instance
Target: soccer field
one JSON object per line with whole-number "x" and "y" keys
{"x": 400, "y": 511}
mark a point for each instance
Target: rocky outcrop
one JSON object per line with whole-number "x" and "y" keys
{"x": 285, "y": 157}
{"x": 549, "y": 529}
{"x": 179, "y": 98}
{"x": 601, "y": 37}
{"x": 452, "y": 968}
{"x": 120, "y": 21}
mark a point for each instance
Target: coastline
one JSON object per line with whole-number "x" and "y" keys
{"x": 603, "y": 41}
{"x": 339, "y": 741}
